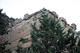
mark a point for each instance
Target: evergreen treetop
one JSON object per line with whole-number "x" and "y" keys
{"x": 50, "y": 38}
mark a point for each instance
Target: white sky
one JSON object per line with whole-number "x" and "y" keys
{"x": 69, "y": 9}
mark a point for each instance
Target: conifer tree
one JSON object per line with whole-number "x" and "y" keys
{"x": 50, "y": 38}
{"x": 3, "y": 24}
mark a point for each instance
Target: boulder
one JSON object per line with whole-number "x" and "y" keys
{"x": 73, "y": 25}
{"x": 63, "y": 21}
{"x": 26, "y": 16}
{"x": 55, "y": 14}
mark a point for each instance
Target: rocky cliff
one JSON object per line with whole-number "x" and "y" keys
{"x": 22, "y": 28}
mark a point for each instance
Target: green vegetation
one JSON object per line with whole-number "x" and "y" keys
{"x": 21, "y": 49}
{"x": 3, "y": 24}
{"x": 50, "y": 38}
{"x": 23, "y": 40}
{"x": 2, "y": 47}
{"x": 3, "y": 30}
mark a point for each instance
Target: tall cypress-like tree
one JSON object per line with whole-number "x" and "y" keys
{"x": 50, "y": 38}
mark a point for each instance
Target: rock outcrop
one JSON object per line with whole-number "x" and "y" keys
{"x": 26, "y": 16}
{"x": 22, "y": 28}
{"x": 73, "y": 25}
{"x": 63, "y": 21}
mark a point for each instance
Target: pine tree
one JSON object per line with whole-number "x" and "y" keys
{"x": 3, "y": 24}
{"x": 50, "y": 38}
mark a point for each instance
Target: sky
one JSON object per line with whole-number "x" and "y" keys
{"x": 69, "y": 9}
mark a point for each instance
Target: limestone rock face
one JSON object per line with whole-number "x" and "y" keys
{"x": 26, "y": 16}
{"x": 22, "y": 28}
{"x": 55, "y": 14}
{"x": 17, "y": 21}
{"x": 63, "y": 21}
{"x": 73, "y": 25}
